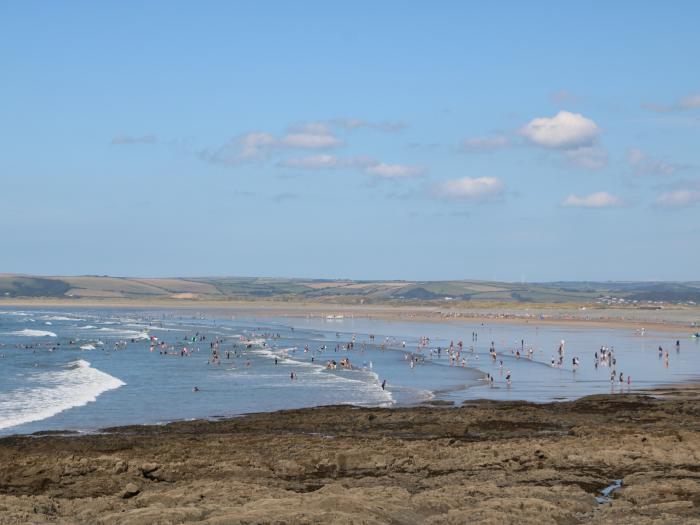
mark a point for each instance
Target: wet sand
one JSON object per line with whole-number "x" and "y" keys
{"x": 485, "y": 462}
{"x": 671, "y": 319}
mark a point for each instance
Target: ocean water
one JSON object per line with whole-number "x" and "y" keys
{"x": 90, "y": 369}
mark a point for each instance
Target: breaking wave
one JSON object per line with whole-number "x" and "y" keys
{"x": 75, "y": 385}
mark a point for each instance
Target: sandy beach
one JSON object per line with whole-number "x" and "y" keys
{"x": 677, "y": 320}
{"x": 485, "y": 462}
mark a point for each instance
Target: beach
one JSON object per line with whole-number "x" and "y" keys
{"x": 102, "y": 423}
{"x": 88, "y": 368}
{"x": 672, "y": 318}
{"x": 484, "y": 462}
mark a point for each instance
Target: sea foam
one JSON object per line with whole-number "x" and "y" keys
{"x": 33, "y": 333}
{"x": 61, "y": 318}
{"x": 75, "y": 385}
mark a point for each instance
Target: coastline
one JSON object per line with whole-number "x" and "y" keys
{"x": 670, "y": 320}
{"x": 509, "y": 462}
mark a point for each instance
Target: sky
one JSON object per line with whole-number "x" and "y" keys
{"x": 513, "y": 141}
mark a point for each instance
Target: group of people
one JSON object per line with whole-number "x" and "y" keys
{"x": 225, "y": 349}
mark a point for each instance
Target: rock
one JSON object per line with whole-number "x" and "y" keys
{"x": 147, "y": 468}
{"x": 147, "y": 471}
{"x": 400, "y": 468}
{"x": 120, "y": 467}
{"x": 130, "y": 491}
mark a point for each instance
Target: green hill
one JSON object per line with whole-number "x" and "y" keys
{"x": 347, "y": 291}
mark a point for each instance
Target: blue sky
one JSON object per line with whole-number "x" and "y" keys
{"x": 370, "y": 140}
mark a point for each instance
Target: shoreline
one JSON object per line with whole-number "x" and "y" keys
{"x": 669, "y": 320}
{"x": 511, "y": 462}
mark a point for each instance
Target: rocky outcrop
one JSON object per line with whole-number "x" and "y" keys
{"x": 484, "y": 462}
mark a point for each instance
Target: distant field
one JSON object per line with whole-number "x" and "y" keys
{"x": 637, "y": 294}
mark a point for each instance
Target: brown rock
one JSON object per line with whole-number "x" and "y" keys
{"x": 130, "y": 491}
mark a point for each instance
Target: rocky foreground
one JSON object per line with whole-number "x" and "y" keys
{"x": 485, "y": 462}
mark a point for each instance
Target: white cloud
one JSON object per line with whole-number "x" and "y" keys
{"x": 317, "y": 137}
{"x": 258, "y": 144}
{"x": 326, "y": 161}
{"x": 312, "y": 162}
{"x": 470, "y": 188}
{"x": 393, "y": 171}
{"x": 589, "y": 157}
{"x": 254, "y": 144}
{"x": 312, "y": 135}
{"x": 692, "y": 101}
{"x": 599, "y": 199}
{"x": 563, "y": 131}
{"x": 475, "y": 144}
{"x": 128, "y": 139}
{"x": 642, "y": 164}
{"x": 247, "y": 147}
{"x": 677, "y": 198}
{"x": 368, "y": 165}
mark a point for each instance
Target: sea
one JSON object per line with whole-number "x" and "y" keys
{"x": 84, "y": 370}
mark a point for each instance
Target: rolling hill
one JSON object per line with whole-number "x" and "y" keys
{"x": 345, "y": 291}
